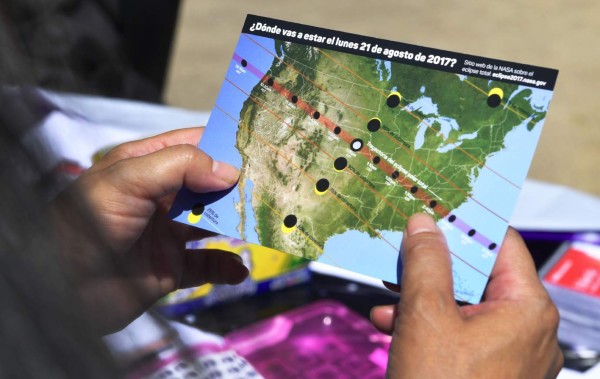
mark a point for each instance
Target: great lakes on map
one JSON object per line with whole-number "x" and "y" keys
{"x": 337, "y": 150}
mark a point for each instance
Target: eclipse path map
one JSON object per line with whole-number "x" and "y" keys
{"x": 341, "y": 137}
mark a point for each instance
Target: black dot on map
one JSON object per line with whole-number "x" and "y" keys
{"x": 356, "y": 145}
{"x": 294, "y": 99}
{"x": 337, "y": 130}
{"x": 395, "y": 175}
{"x": 316, "y": 115}
{"x": 244, "y": 63}
{"x": 289, "y": 224}
{"x": 374, "y": 124}
{"x": 376, "y": 159}
{"x": 340, "y": 163}
{"x": 492, "y": 246}
{"x": 494, "y": 100}
{"x": 198, "y": 209}
{"x": 432, "y": 203}
{"x": 322, "y": 185}
{"x": 452, "y": 218}
{"x": 290, "y": 221}
{"x": 414, "y": 189}
{"x": 471, "y": 232}
{"x": 393, "y": 99}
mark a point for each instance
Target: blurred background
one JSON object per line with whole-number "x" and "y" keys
{"x": 175, "y": 52}
{"x": 559, "y": 34}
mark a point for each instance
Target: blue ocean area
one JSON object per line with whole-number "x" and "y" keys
{"x": 250, "y": 225}
{"x": 220, "y": 135}
{"x": 369, "y": 256}
{"x": 507, "y": 169}
{"x": 539, "y": 98}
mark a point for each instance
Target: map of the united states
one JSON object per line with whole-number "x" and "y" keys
{"x": 339, "y": 142}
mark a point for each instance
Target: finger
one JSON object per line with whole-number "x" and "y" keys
{"x": 427, "y": 275}
{"x": 193, "y": 233}
{"x": 164, "y": 172}
{"x": 164, "y": 204}
{"x": 184, "y": 232}
{"x": 514, "y": 275}
{"x": 187, "y": 136}
{"x": 212, "y": 266}
{"x": 383, "y": 318}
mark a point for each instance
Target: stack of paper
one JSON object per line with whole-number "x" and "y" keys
{"x": 572, "y": 278}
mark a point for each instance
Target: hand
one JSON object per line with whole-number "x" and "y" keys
{"x": 511, "y": 334}
{"x": 141, "y": 255}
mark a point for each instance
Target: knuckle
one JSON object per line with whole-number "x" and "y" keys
{"x": 120, "y": 152}
{"x": 424, "y": 242}
{"x": 551, "y": 315}
{"x": 426, "y": 304}
{"x": 544, "y": 315}
{"x": 190, "y": 153}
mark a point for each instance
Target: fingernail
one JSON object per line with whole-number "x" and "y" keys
{"x": 384, "y": 310}
{"x": 420, "y": 223}
{"x": 226, "y": 172}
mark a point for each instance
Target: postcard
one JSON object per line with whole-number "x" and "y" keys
{"x": 341, "y": 137}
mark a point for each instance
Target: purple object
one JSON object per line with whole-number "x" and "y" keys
{"x": 321, "y": 340}
{"x": 590, "y": 236}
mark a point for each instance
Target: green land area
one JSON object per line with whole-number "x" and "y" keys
{"x": 285, "y": 151}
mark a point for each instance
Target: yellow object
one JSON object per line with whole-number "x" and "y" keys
{"x": 496, "y": 91}
{"x": 193, "y": 219}
{"x": 395, "y": 93}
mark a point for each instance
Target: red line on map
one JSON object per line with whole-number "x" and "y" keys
{"x": 364, "y": 151}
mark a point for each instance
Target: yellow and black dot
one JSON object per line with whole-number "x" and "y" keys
{"x": 393, "y": 99}
{"x": 495, "y": 97}
{"x": 340, "y": 164}
{"x": 374, "y": 124}
{"x": 289, "y": 224}
{"x": 321, "y": 186}
{"x": 196, "y": 213}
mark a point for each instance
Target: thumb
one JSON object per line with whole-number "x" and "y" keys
{"x": 165, "y": 171}
{"x": 427, "y": 268}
